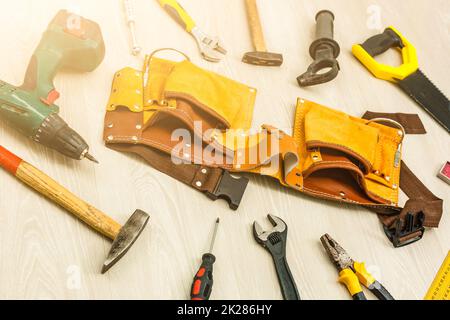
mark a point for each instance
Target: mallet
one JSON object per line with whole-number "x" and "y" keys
{"x": 259, "y": 57}
{"x": 123, "y": 236}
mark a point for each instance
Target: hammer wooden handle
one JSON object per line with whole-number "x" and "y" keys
{"x": 49, "y": 188}
{"x": 255, "y": 26}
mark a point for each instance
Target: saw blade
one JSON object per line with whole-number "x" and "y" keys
{"x": 427, "y": 95}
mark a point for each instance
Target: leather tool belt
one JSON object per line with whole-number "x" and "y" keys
{"x": 194, "y": 126}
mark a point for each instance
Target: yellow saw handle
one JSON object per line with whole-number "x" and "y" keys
{"x": 380, "y": 43}
{"x": 177, "y": 12}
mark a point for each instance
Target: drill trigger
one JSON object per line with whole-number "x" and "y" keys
{"x": 51, "y": 97}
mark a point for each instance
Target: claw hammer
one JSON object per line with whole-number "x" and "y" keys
{"x": 123, "y": 236}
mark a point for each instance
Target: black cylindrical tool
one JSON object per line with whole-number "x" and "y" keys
{"x": 324, "y": 50}
{"x": 203, "y": 280}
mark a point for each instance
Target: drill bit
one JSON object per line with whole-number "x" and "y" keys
{"x": 91, "y": 158}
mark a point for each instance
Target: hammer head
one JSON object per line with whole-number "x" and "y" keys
{"x": 260, "y": 58}
{"x": 126, "y": 238}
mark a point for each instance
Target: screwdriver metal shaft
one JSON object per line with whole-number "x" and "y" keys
{"x": 131, "y": 20}
{"x": 216, "y": 228}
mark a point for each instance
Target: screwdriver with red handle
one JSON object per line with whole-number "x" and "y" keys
{"x": 203, "y": 280}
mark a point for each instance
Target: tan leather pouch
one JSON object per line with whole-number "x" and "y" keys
{"x": 346, "y": 158}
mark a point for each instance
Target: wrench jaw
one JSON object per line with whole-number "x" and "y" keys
{"x": 259, "y": 234}
{"x": 263, "y": 237}
{"x": 211, "y": 48}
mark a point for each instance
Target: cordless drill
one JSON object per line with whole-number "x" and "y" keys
{"x": 70, "y": 42}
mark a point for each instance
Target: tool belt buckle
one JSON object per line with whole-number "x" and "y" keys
{"x": 399, "y": 235}
{"x": 230, "y": 189}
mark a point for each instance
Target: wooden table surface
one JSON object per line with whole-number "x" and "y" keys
{"x": 45, "y": 253}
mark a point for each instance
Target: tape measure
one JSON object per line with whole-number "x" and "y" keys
{"x": 440, "y": 288}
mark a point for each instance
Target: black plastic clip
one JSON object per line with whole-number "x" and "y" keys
{"x": 400, "y": 234}
{"x": 230, "y": 189}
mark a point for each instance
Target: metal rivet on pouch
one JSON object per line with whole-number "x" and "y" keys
{"x": 139, "y": 127}
{"x": 150, "y": 102}
{"x": 342, "y": 194}
{"x": 110, "y": 125}
{"x": 110, "y": 138}
{"x": 136, "y": 107}
{"x": 204, "y": 171}
{"x": 199, "y": 184}
{"x": 400, "y": 133}
{"x": 387, "y": 178}
{"x": 377, "y": 173}
{"x": 134, "y": 138}
{"x": 302, "y": 101}
{"x": 395, "y": 187}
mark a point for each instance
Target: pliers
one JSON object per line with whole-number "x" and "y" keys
{"x": 352, "y": 273}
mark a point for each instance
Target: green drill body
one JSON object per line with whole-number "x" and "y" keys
{"x": 70, "y": 42}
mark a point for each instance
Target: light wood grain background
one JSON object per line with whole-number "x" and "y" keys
{"x": 47, "y": 254}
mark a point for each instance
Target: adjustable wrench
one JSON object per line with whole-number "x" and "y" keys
{"x": 274, "y": 241}
{"x": 211, "y": 48}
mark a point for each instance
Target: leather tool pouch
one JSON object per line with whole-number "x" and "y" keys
{"x": 358, "y": 161}
{"x": 345, "y": 158}
{"x": 147, "y": 107}
{"x": 331, "y": 155}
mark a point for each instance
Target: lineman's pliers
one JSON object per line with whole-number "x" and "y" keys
{"x": 352, "y": 273}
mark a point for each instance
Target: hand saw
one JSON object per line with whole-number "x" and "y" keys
{"x": 408, "y": 76}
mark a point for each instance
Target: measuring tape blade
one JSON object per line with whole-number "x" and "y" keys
{"x": 440, "y": 288}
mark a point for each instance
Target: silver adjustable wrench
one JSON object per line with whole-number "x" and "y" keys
{"x": 211, "y": 48}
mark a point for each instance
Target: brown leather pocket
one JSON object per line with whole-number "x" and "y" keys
{"x": 338, "y": 176}
{"x": 326, "y": 128}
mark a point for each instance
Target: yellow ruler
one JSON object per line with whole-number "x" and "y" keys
{"x": 440, "y": 288}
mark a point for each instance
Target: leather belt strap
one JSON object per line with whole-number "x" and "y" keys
{"x": 423, "y": 209}
{"x": 216, "y": 183}
{"x": 410, "y": 122}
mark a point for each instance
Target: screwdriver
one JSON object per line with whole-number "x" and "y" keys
{"x": 203, "y": 280}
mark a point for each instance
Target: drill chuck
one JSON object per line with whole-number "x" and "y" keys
{"x": 56, "y": 134}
